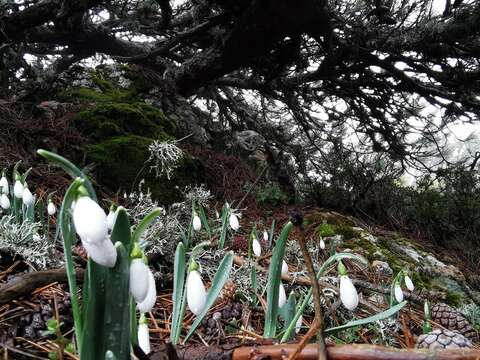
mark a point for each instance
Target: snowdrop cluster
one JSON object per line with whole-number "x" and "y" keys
{"x": 397, "y": 288}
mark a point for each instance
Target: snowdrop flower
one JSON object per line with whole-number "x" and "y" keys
{"x": 265, "y": 235}
{"x": 5, "y": 202}
{"x": 51, "y": 209}
{"x": 298, "y": 324}
{"x": 90, "y": 220}
{"x": 18, "y": 189}
{"x": 27, "y": 197}
{"x": 409, "y": 283}
{"x": 233, "y": 220}
{"x": 197, "y": 223}
{"x": 348, "y": 293}
{"x": 284, "y": 268}
{"x": 4, "y": 185}
{"x": 196, "y": 293}
{"x": 217, "y": 214}
{"x": 398, "y": 293}
{"x": 103, "y": 253}
{"x": 256, "y": 247}
{"x": 149, "y": 302}
{"x": 139, "y": 279}
{"x": 143, "y": 335}
{"x": 322, "y": 244}
{"x": 282, "y": 296}
{"x": 111, "y": 218}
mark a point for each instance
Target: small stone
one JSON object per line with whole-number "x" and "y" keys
{"x": 382, "y": 267}
{"x": 29, "y": 332}
{"x": 37, "y": 321}
{"x": 217, "y": 315}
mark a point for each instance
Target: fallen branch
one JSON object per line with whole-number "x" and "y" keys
{"x": 27, "y": 283}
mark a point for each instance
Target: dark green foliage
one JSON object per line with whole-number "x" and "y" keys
{"x": 270, "y": 194}
{"x": 325, "y": 230}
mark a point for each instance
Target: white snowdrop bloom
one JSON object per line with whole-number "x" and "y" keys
{"x": 5, "y": 202}
{"x": 18, "y": 189}
{"x": 348, "y": 293}
{"x": 256, "y": 247}
{"x": 149, "y": 302}
{"x": 37, "y": 237}
{"x": 265, "y": 235}
{"x": 143, "y": 337}
{"x": 322, "y": 244}
{"x": 90, "y": 220}
{"x": 197, "y": 223}
{"x": 4, "y": 185}
{"x": 103, "y": 253}
{"x": 233, "y": 220}
{"x": 298, "y": 324}
{"x": 196, "y": 292}
{"x": 409, "y": 283}
{"x": 51, "y": 209}
{"x": 398, "y": 293}
{"x": 282, "y": 296}
{"x": 139, "y": 279}
{"x": 284, "y": 268}
{"x": 111, "y": 218}
{"x": 27, "y": 197}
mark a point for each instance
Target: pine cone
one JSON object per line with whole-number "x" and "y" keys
{"x": 228, "y": 292}
{"x": 442, "y": 339}
{"x": 453, "y": 320}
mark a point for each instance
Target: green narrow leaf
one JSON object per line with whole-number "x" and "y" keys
{"x": 287, "y": 312}
{"x": 203, "y": 217}
{"x": 218, "y": 281}
{"x": 146, "y": 221}
{"x": 274, "y": 272}
{"x": 270, "y": 235}
{"x": 178, "y": 285}
{"x": 223, "y": 231}
{"x": 380, "y": 316}
{"x": 289, "y": 330}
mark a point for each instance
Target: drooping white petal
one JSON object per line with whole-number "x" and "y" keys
{"x": 5, "y": 202}
{"x": 398, "y": 293}
{"x": 144, "y": 338}
{"x": 256, "y": 247}
{"x": 348, "y": 293}
{"x": 51, "y": 209}
{"x": 138, "y": 279}
{"x": 233, "y": 221}
{"x": 103, "y": 253}
{"x": 18, "y": 189}
{"x": 298, "y": 324}
{"x": 409, "y": 283}
{"x": 322, "y": 244}
{"x": 4, "y": 185}
{"x": 284, "y": 268}
{"x": 27, "y": 197}
{"x": 197, "y": 223}
{"x": 282, "y": 296}
{"x": 265, "y": 235}
{"x": 149, "y": 302}
{"x": 196, "y": 292}
{"x": 111, "y": 218}
{"x": 90, "y": 220}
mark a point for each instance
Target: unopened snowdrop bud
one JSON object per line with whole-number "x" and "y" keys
{"x": 233, "y": 221}
{"x": 5, "y": 202}
{"x": 348, "y": 293}
{"x": 149, "y": 302}
{"x": 398, "y": 293}
{"x": 282, "y": 296}
{"x": 90, "y": 220}
{"x": 217, "y": 214}
{"x": 265, "y": 235}
{"x": 196, "y": 293}
{"x": 322, "y": 244}
{"x": 143, "y": 334}
{"x": 18, "y": 189}
{"x": 284, "y": 268}
{"x": 139, "y": 279}
{"x": 27, "y": 197}
{"x": 197, "y": 223}
{"x": 4, "y": 185}
{"x": 426, "y": 310}
{"x": 256, "y": 247}
{"x": 111, "y": 218}
{"x": 409, "y": 283}
{"x": 51, "y": 209}
{"x": 298, "y": 324}
{"x": 103, "y": 253}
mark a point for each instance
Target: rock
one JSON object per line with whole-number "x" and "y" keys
{"x": 249, "y": 140}
{"x": 442, "y": 339}
{"x": 382, "y": 267}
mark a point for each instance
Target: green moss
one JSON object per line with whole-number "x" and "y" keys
{"x": 324, "y": 230}
{"x": 347, "y": 231}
